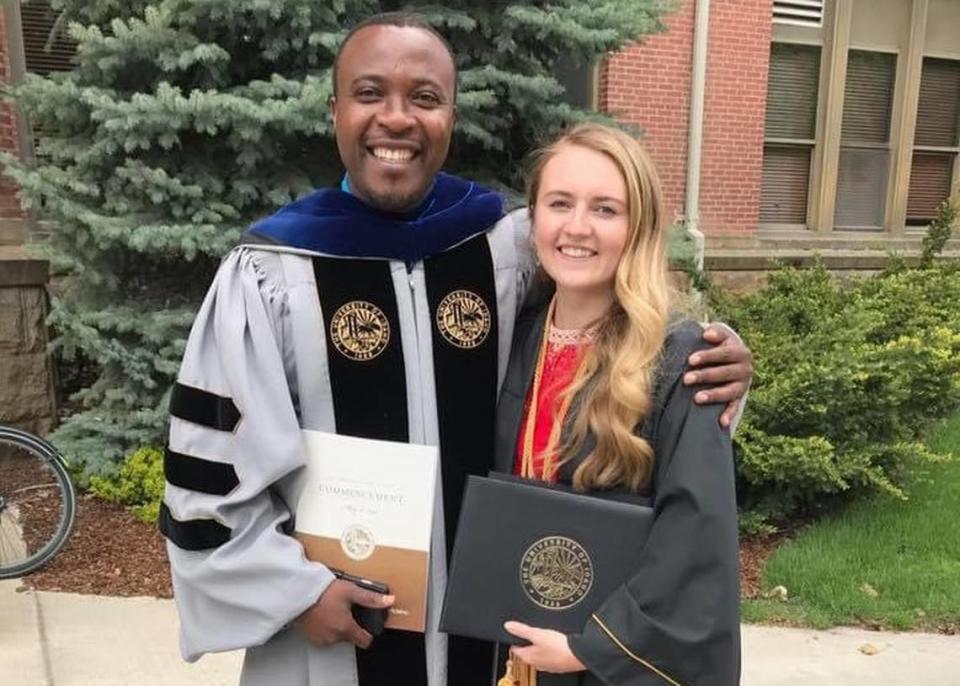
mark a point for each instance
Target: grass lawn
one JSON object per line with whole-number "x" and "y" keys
{"x": 881, "y": 562}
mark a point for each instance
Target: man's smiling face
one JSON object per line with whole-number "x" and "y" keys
{"x": 393, "y": 113}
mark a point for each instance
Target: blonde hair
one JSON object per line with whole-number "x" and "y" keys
{"x": 614, "y": 383}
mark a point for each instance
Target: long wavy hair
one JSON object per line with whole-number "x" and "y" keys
{"x": 613, "y": 386}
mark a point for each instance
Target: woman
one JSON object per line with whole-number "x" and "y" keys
{"x": 594, "y": 398}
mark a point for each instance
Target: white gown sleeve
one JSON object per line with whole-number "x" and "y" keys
{"x": 526, "y": 258}
{"x": 238, "y": 576}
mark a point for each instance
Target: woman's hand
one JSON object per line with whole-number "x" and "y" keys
{"x": 727, "y": 367}
{"x": 548, "y": 650}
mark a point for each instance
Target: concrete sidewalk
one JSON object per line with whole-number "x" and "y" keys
{"x": 63, "y": 639}
{"x": 774, "y": 656}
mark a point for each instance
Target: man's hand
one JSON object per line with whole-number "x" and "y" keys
{"x": 329, "y": 621}
{"x": 548, "y": 651}
{"x": 727, "y": 366}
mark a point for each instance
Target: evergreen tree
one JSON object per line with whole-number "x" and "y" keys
{"x": 184, "y": 120}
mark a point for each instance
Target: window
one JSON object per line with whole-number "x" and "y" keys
{"x": 579, "y": 82}
{"x": 42, "y": 52}
{"x": 798, "y": 12}
{"x": 937, "y": 141}
{"x": 789, "y": 133}
{"x": 865, "y": 140}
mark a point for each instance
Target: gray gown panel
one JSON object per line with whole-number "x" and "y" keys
{"x": 241, "y": 593}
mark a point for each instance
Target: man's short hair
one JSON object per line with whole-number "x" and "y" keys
{"x": 402, "y": 19}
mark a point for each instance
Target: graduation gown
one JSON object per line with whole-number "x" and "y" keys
{"x": 679, "y": 613}
{"x": 333, "y": 317}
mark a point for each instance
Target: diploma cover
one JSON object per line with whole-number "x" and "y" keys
{"x": 366, "y": 507}
{"x": 539, "y": 554}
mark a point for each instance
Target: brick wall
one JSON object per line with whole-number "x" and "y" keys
{"x": 736, "y": 103}
{"x": 9, "y": 206}
{"x": 649, "y": 84}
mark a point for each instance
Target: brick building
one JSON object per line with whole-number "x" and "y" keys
{"x": 651, "y": 84}
{"x": 827, "y": 125}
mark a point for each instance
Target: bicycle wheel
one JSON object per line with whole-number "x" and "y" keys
{"x": 37, "y": 502}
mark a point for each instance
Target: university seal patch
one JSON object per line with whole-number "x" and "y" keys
{"x": 556, "y": 572}
{"x": 463, "y": 319}
{"x": 357, "y": 542}
{"x": 359, "y": 330}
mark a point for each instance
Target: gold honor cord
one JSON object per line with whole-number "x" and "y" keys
{"x": 526, "y": 463}
{"x": 625, "y": 649}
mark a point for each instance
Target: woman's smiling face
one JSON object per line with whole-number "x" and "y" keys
{"x": 581, "y": 219}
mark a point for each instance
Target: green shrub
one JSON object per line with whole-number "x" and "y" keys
{"x": 138, "y": 484}
{"x": 848, "y": 377}
{"x": 940, "y": 230}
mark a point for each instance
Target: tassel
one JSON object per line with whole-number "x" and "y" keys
{"x": 510, "y": 677}
{"x": 518, "y": 674}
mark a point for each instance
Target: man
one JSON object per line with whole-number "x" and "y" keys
{"x": 344, "y": 312}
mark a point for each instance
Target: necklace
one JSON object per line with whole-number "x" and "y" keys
{"x": 561, "y": 337}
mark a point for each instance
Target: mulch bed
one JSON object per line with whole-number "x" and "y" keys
{"x": 754, "y": 551}
{"x": 111, "y": 553}
{"x": 30, "y": 488}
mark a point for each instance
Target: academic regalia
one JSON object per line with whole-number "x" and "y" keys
{"x": 678, "y": 615}
{"x": 334, "y": 316}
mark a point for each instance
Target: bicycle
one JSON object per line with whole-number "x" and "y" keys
{"x": 37, "y": 502}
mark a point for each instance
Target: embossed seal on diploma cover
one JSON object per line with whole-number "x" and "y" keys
{"x": 556, "y": 572}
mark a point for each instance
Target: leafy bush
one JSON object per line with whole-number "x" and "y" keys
{"x": 138, "y": 484}
{"x": 848, "y": 378}
{"x": 940, "y": 230}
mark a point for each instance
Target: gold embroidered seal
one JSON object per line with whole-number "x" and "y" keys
{"x": 556, "y": 572}
{"x": 357, "y": 542}
{"x": 463, "y": 319}
{"x": 359, "y": 330}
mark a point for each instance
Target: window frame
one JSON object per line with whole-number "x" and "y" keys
{"x": 953, "y": 150}
{"x": 811, "y": 144}
{"x": 889, "y": 146}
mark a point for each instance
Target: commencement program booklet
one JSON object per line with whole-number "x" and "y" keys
{"x": 366, "y": 508}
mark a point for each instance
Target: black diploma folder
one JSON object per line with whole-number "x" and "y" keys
{"x": 539, "y": 554}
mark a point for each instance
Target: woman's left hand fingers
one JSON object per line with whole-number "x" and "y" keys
{"x": 520, "y": 630}
{"x": 549, "y": 651}
{"x": 526, "y": 632}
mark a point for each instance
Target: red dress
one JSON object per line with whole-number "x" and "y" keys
{"x": 560, "y": 364}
